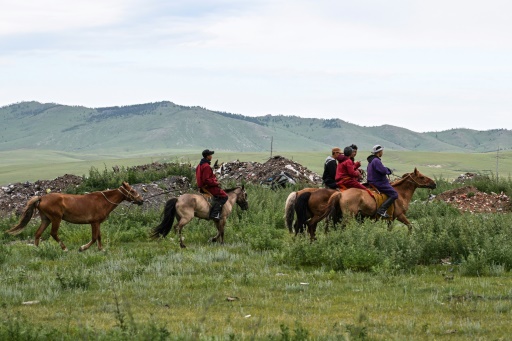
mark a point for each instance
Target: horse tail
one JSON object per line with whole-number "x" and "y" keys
{"x": 165, "y": 226}
{"x": 27, "y": 214}
{"x": 289, "y": 210}
{"x": 334, "y": 211}
{"x": 301, "y": 208}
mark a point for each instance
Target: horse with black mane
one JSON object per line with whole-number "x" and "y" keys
{"x": 189, "y": 205}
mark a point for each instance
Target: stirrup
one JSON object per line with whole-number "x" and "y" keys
{"x": 384, "y": 215}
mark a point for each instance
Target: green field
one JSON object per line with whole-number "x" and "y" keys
{"x": 449, "y": 279}
{"x": 32, "y": 165}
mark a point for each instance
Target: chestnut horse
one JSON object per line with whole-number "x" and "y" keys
{"x": 311, "y": 208}
{"x": 92, "y": 208}
{"x": 188, "y": 205}
{"x": 289, "y": 206}
{"x": 354, "y": 202}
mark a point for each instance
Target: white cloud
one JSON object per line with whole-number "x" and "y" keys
{"x": 363, "y": 61}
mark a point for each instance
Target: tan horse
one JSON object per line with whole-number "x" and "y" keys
{"x": 188, "y": 206}
{"x": 92, "y": 208}
{"x": 354, "y": 201}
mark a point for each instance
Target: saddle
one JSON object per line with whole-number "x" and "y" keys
{"x": 380, "y": 198}
{"x": 207, "y": 196}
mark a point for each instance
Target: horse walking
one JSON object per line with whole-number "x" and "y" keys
{"x": 310, "y": 208}
{"x": 289, "y": 206}
{"x": 357, "y": 202}
{"x": 92, "y": 208}
{"x": 188, "y": 206}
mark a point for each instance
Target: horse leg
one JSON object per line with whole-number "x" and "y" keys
{"x": 181, "y": 223}
{"x": 44, "y": 224}
{"x": 95, "y": 232}
{"x": 220, "y": 232}
{"x": 403, "y": 219}
{"x": 54, "y": 234}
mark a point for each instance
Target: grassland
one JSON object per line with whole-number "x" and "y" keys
{"x": 31, "y": 165}
{"x": 360, "y": 283}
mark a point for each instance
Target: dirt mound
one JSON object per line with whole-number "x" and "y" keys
{"x": 470, "y": 199}
{"x": 257, "y": 173}
{"x": 13, "y": 197}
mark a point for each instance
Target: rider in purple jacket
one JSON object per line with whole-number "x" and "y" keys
{"x": 377, "y": 176}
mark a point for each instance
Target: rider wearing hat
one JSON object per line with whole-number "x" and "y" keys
{"x": 377, "y": 176}
{"x": 207, "y": 183}
{"x": 329, "y": 176}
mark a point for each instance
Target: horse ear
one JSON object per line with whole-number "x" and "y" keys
{"x": 243, "y": 187}
{"x": 415, "y": 171}
{"x": 125, "y": 184}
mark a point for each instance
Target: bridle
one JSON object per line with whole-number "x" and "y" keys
{"x": 127, "y": 194}
{"x": 409, "y": 177}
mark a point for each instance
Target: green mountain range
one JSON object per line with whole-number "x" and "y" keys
{"x": 165, "y": 125}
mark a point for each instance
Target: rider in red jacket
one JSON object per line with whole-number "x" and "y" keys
{"x": 207, "y": 183}
{"x": 347, "y": 173}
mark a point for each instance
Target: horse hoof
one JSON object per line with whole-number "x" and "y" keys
{"x": 80, "y": 249}
{"x": 183, "y": 246}
{"x": 65, "y": 250}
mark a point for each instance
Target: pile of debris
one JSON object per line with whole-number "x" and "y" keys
{"x": 466, "y": 177}
{"x": 13, "y": 197}
{"x": 276, "y": 171}
{"x": 470, "y": 199}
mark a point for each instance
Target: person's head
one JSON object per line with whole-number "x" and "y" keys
{"x": 335, "y": 152}
{"x": 348, "y": 151}
{"x": 207, "y": 154}
{"x": 378, "y": 150}
{"x": 354, "y": 150}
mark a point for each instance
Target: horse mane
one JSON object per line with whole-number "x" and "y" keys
{"x": 231, "y": 189}
{"x": 401, "y": 180}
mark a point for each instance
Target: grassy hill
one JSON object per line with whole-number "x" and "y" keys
{"x": 165, "y": 125}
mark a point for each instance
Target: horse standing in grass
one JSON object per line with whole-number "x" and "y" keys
{"x": 289, "y": 207}
{"x": 357, "y": 202}
{"x": 310, "y": 206}
{"x": 188, "y": 206}
{"x": 92, "y": 208}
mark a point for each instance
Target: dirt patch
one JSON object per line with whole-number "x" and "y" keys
{"x": 470, "y": 199}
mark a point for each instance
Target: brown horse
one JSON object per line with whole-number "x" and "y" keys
{"x": 309, "y": 204}
{"x": 357, "y": 202}
{"x": 92, "y": 208}
{"x": 289, "y": 206}
{"x": 186, "y": 206}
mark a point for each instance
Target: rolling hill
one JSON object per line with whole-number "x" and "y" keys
{"x": 165, "y": 125}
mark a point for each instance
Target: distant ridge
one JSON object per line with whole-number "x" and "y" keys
{"x": 165, "y": 125}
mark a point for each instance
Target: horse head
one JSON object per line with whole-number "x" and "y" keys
{"x": 241, "y": 198}
{"x": 131, "y": 194}
{"x": 421, "y": 180}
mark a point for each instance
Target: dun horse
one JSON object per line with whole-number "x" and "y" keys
{"x": 354, "y": 202}
{"x": 92, "y": 208}
{"x": 186, "y": 206}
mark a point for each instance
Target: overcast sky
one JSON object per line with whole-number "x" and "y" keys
{"x": 422, "y": 65}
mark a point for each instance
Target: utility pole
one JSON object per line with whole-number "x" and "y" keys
{"x": 497, "y": 163}
{"x": 271, "y": 142}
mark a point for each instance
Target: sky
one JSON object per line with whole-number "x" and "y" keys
{"x": 422, "y": 65}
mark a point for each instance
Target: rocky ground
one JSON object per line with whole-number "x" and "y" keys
{"x": 275, "y": 172}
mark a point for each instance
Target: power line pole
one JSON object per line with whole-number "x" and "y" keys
{"x": 497, "y": 163}
{"x": 271, "y": 142}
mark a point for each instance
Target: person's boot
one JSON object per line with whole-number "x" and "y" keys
{"x": 384, "y": 207}
{"x": 216, "y": 211}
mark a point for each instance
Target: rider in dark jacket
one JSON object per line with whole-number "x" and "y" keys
{"x": 330, "y": 169}
{"x": 377, "y": 176}
{"x": 207, "y": 183}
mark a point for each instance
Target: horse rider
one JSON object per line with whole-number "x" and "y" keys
{"x": 377, "y": 176}
{"x": 330, "y": 165}
{"x": 207, "y": 183}
{"x": 347, "y": 173}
